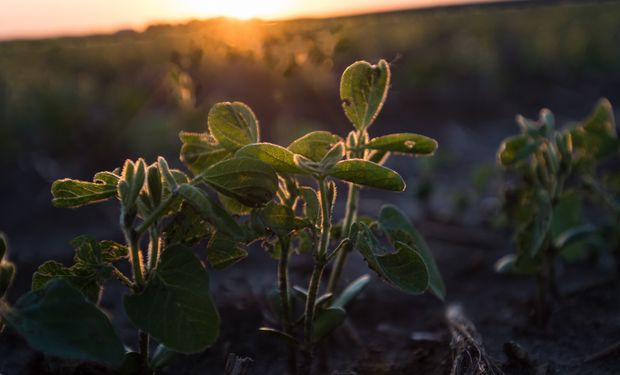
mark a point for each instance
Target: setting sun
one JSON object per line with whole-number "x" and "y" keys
{"x": 243, "y": 9}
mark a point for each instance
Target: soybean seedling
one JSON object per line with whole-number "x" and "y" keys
{"x": 301, "y": 217}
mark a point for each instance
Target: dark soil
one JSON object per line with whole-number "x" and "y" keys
{"x": 392, "y": 333}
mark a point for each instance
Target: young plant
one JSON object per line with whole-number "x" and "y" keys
{"x": 545, "y": 210}
{"x": 301, "y": 218}
{"x": 168, "y": 291}
{"x": 7, "y": 274}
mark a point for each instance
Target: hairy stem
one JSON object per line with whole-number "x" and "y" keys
{"x": 132, "y": 239}
{"x": 349, "y": 218}
{"x": 317, "y": 273}
{"x": 153, "y": 247}
{"x": 122, "y": 278}
{"x": 283, "y": 285}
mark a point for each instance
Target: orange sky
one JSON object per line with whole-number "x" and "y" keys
{"x": 38, "y": 18}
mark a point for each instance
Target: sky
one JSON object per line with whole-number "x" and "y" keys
{"x": 43, "y": 18}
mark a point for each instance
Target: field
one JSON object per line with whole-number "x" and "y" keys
{"x": 70, "y": 107}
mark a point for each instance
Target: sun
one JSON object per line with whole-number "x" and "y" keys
{"x": 242, "y": 9}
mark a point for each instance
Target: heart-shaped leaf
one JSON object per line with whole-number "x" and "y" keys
{"x": 74, "y": 193}
{"x": 175, "y": 307}
{"x": 398, "y": 227}
{"x": 403, "y": 143}
{"x": 233, "y": 125}
{"x": 47, "y": 319}
{"x": 367, "y": 173}
{"x": 314, "y": 145}
{"x": 404, "y": 269}
{"x": 200, "y": 151}
{"x": 250, "y": 181}
{"x": 281, "y": 159}
{"x": 363, "y": 89}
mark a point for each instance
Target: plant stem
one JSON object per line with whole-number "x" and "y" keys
{"x": 317, "y": 273}
{"x": 143, "y": 343}
{"x": 349, "y": 218}
{"x": 153, "y": 248}
{"x": 283, "y": 285}
{"x": 154, "y": 216}
{"x": 132, "y": 239}
{"x": 122, "y": 278}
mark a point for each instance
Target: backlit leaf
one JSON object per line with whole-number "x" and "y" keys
{"x": 76, "y": 193}
{"x": 403, "y": 143}
{"x": 233, "y": 125}
{"x": 314, "y": 145}
{"x": 223, "y": 251}
{"x": 363, "y": 89}
{"x": 367, "y": 173}
{"x": 248, "y": 180}
{"x": 404, "y": 269}
{"x": 278, "y": 157}
{"x": 200, "y": 151}
{"x": 398, "y": 227}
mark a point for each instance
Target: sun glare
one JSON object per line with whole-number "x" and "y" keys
{"x": 242, "y": 9}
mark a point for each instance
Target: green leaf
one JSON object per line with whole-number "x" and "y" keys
{"x": 403, "y": 143}
{"x": 187, "y": 228}
{"x": 531, "y": 237}
{"x": 233, "y": 206}
{"x": 516, "y": 149}
{"x": 367, "y": 173}
{"x": 326, "y": 321}
{"x": 233, "y": 125}
{"x": 363, "y": 89}
{"x": 200, "y": 151}
{"x": 596, "y": 138}
{"x": 398, "y": 227}
{"x": 210, "y": 210}
{"x": 278, "y": 157}
{"x": 277, "y": 218}
{"x": 82, "y": 277}
{"x": 74, "y": 193}
{"x": 58, "y": 320}
{"x": 175, "y": 307}
{"x": 314, "y": 145}
{"x": 223, "y": 251}
{"x": 250, "y": 181}
{"x": 351, "y": 291}
{"x": 573, "y": 235}
{"x": 404, "y": 269}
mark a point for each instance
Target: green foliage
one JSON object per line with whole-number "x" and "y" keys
{"x": 175, "y": 307}
{"x": 367, "y": 173}
{"x": 75, "y": 193}
{"x": 168, "y": 292}
{"x": 404, "y": 269}
{"x": 545, "y": 210}
{"x": 363, "y": 89}
{"x": 233, "y": 125}
{"x": 59, "y": 320}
